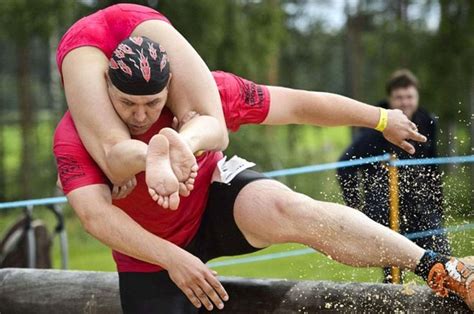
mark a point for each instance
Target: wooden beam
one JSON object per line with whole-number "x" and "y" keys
{"x": 55, "y": 291}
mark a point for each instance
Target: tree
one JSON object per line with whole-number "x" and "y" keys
{"x": 451, "y": 62}
{"x": 29, "y": 20}
{"x": 243, "y": 37}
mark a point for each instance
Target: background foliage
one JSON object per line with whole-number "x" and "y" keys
{"x": 284, "y": 42}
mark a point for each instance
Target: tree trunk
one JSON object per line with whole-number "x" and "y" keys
{"x": 3, "y": 121}
{"x": 353, "y": 55}
{"x": 3, "y": 190}
{"x": 55, "y": 84}
{"x": 402, "y": 10}
{"x": 26, "y": 118}
{"x": 471, "y": 100}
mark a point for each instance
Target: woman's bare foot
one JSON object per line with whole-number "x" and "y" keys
{"x": 182, "y": 160}
{"x": 163, "y": 185}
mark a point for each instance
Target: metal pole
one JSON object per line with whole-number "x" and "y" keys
{"x": 60, "y": 229}
{"x": 62, "y": 237}
{"x": 30, "y": 232}
{"x": 394, "y": 218}
{"x": 64, "y": 250}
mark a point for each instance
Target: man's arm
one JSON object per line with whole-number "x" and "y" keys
{"x": 289, "y": 106}
{"x": 110, "y": 225}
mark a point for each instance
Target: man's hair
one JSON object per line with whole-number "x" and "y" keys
{"x": 139, "y": 66}
{"x": 401, "y": 79}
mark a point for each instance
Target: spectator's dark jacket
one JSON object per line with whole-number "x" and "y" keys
{"x": 366, "y": 187}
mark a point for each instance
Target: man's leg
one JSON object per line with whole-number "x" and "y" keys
{"x": 267, "y": 212}
{"x": 379, "y": 212}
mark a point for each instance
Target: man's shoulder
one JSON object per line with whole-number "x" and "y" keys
{"x": 75, "y": 166}
{"x": 66, "y": 134}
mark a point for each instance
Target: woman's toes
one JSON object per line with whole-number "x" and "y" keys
{"x": 161, "y": 200}
{"x": 174, "y": 201}
{"x": 153, "y": 194}
{"x": 183, "y": 190}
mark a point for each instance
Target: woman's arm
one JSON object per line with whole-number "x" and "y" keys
{"x": 192, "y": 88}
{"x": 96, "y": 121}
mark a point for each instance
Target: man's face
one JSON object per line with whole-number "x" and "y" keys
{"x": 138, "y": 112}
{"x": 405, "y": 99}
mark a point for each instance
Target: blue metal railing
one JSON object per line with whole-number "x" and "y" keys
{"x": 433, "y": 161}
{"x": 35, "y": 202}
{"x": 292, "y": 172}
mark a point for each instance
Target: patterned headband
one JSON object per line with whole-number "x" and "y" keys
{"x": 139, "y": 66}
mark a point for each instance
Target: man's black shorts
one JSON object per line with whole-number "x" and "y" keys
{"x": 217, "y": 236}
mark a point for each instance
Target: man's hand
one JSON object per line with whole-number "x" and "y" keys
{"x": 199, "y": 283}
{"x": 400, "y": 129}
{"x": 123, "y": 190}
{"x": 178, "y": 124}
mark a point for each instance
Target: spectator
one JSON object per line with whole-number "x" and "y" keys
{"x": 420, "y": 188}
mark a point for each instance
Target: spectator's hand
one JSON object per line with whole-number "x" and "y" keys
{"x": 122, "y": 191}
{"x": 400, "y": 129}
{"x": 199, "y": 283}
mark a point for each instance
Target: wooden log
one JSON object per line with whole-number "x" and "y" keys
{"x": 54, "y": 291}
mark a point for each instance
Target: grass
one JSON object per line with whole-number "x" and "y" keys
{"x": 42, "y": 179}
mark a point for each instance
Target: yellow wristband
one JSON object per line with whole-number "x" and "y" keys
{"x": 383, "y": 121}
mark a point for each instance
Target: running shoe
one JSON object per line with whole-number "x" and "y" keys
{"x": 453, "y": 276}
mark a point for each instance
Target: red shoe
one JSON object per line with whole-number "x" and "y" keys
{"x": 454, "y": 276}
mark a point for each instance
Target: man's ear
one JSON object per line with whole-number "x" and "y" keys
{"x": 169, "y": 80}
